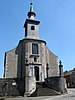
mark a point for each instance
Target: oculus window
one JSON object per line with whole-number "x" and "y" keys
{"x": 34, "y": 48}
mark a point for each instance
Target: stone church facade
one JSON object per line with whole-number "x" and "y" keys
{"x": 31, "y": 54}
{"x": 31, "y": 61}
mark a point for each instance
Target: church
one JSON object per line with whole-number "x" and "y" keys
{"x": 30, "y": 65}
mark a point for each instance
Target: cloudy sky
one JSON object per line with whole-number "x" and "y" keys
{"x": 57, "y": 27}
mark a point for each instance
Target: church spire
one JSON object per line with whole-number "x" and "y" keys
{"x": 31, "y": 7}
{"x": 31, "y": 13}
{"x": 31, "y": 24}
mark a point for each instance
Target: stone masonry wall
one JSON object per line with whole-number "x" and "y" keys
{"x": 56, "y": 83}
{"x": 11, "y": 87}
{"x": 52, "y": 61}
{"x": 11, "y": 64}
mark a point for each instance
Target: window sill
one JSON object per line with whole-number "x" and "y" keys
{"x": 34, "y": 55}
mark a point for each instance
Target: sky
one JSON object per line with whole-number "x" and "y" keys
{"x": 57, "y": 27}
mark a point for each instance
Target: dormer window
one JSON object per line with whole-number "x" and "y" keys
{"x": 32, "y": 27}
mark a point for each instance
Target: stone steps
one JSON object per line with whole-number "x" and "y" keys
{"x": 46, "y": 92}
{"x": 43, "y": 90}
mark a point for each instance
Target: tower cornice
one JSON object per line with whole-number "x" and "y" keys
{"x": 29, "y": 20}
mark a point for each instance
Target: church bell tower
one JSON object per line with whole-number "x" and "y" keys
{"x": 31, "y": 25}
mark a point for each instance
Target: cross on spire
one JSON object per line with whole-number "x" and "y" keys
{"x": 60, "y": 68}
{"x": 31, "y": 6}
{"x": 60, "y": 62}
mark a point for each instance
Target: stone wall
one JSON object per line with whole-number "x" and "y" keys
{"x": 57, "y": 83}
{"x": 30, "y": 85}
{"x": 14, "y": 65}
{"x": 52, "y": 61}
{"x": 11, "y": 87}
{"x": 10, "y": 66}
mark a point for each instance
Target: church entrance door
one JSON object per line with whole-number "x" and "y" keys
{"x": 36, "y": 73}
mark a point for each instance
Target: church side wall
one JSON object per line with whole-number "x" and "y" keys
{"x": 21, "y": 61}
{"x": 52, "y": 60}
{"x": 14, "y": 62}
{"x": 11, "y": 64}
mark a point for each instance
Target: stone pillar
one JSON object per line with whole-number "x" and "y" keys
{"x": 47, "y": 68}
{"x": 60, "y": 68}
